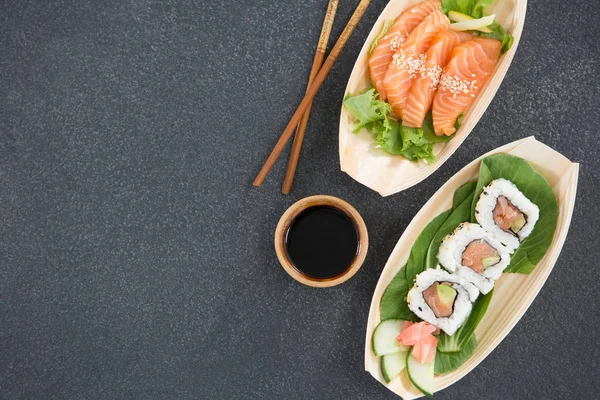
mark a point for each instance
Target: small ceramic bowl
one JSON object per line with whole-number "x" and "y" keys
{"x": 296, "y": 209}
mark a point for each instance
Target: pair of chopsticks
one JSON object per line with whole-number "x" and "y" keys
{"x": 318, "y": 74}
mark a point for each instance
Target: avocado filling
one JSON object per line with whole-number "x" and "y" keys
{"x": 508, "y": 217}
{"x": 479, "y": 256}
{"x": 440, "y": 298}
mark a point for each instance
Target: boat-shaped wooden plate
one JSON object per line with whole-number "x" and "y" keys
{"x": 513, "y": 293}
{"x": 387, "y": 174}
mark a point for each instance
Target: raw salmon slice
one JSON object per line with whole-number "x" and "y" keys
{"x": 425, "y": 84}
{"x": 409, "y": 61}
{"x": 505, "y": 214}
{"x": 476, "y": 252}
{"x": 470, "y": 66}
{"x": 386, "y": 47}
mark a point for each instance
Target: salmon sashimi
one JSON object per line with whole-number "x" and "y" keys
{"x": 409, "y": 61}
{"x": 425, "y": 84}
{"x": 388, "y": 45}
{"x": 480, "y": 255}
{"x": 507, "y": 216}
{"x": 469, "y": 68}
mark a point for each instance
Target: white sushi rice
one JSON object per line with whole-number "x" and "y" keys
{"x": 466, "y": 295}
{"x": 453, "y": 246}
{"x": 484, "y": 212}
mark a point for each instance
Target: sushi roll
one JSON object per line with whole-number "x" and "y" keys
{"x": 473, "y": 254}
{"x": 443, "y": 299}
{"x": 506, "y": 213}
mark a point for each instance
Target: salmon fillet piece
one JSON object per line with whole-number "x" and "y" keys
{"x": 425, "y": 84}
{"x": 409, "y": 61}
{"x": 469, "y": 68}
{"x": 386, "y": 47}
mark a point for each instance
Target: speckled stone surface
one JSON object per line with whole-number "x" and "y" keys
{"x": 136, "y": 258}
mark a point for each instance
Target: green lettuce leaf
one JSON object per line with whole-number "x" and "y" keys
{"x": 478, "y": 7}
{"x": 448, "y": 5}
{"x": 367, "y": 109}
{"x": 535, "y": 188}
{"x": 498, "y": 33}
{"x": 386, "y": 27}
{"x": 464, "y": 6}
{"x": 369, "y": 112}
{"x": 458, "y": 341}
{"x": 448, "y": 362}
{"x": 414, "y": 145}
{"x": 387, "y": 136}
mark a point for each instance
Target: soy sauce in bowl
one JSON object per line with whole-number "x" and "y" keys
{"x": 322, "y": 242}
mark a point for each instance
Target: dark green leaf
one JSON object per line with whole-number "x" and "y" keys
{"x": 393, "y": 302}
{"x": 416, "y": 261}
{"x": 458, "y": 341}
{"x": 448, "y": 362}
{"x": 459, "y": 214}
{"x": 535, "y": 188}
{"x": 462, "y": 193}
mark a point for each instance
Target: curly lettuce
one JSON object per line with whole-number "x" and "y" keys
{"x": 475, "y": 8}
{"x": 370, "y": 113}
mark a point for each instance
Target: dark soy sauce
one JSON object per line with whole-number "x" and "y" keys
{"x": 322, "y": 242}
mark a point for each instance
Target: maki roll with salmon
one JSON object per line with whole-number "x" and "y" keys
{"x": 443, "y": 299}
{"x": 506, "y": 213}
{"x": 473, "y": 254}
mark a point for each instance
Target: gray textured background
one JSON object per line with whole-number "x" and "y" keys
{"x": 136, "y": 258}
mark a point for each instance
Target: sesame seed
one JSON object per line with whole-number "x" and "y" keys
{"x": 455, "y": 85}
{"x": 397, "y": 42}
{"x": 412, "y": 63}
{"x": 434, "y": 73}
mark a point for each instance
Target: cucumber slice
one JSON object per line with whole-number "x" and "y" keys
{"x": 456, "y": 16}
{"x": 421, "y": 375}
{"x": 392, "y": 365}
{"x": 473, "y": 24}
{"x": 384, "y": 337}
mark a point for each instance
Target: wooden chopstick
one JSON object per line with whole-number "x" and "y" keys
{"x": 311, "y": 92}
{"x": 317, "y": 63}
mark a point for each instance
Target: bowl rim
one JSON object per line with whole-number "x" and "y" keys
{"x": 314, "y": 201}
